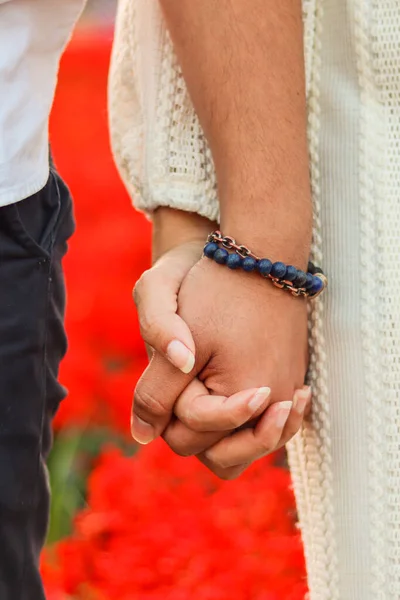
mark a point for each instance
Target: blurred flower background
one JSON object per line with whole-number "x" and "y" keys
{"x": 130, "y": 524}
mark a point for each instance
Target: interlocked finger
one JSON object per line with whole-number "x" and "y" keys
{"x": 203, "y": 420}
{"x": 279, "y": 422}
{"x": 186, "y": 442}
{"x": 201, "y": 411}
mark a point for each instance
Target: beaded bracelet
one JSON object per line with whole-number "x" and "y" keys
{"x": 285, "y": 277}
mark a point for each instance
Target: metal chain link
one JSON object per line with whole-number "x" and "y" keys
{"x": 230, "y": 244}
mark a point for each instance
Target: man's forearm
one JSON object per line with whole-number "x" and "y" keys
{"x": 244, "y": 68}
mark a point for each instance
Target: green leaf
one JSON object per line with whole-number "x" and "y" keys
{"x": 70, "y": 462}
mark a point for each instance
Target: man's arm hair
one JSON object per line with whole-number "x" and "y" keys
{"x": 243, "y": 64}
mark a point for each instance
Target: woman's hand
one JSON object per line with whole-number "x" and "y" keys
{"x": 156, "y": 299}
{"x": 177, "y": 245}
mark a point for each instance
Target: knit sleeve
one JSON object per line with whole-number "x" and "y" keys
{"x": 157, "y": 141}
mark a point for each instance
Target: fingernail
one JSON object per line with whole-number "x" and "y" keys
{"x": 302, "y": 397}
{"x": 259, "y": 398}
{"x": 141, "y": 431}
{"x": 180, "y": 356}
{"x": 283, "y": 412}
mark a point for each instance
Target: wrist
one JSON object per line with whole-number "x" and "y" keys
{"x": 276, "y": 237}
{"x": 275, "y": 218}
{"x": 172, "y": 227}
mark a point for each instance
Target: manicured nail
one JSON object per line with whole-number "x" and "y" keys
{"x": 302, "y": 397}
{"x": 283, "y": 412}
{"x": 141, "y": 431}
{"x": 259, "y": 398}
{"x": 180, "y": 356}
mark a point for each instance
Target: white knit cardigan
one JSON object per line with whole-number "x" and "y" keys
{"x": 346, "y": 462}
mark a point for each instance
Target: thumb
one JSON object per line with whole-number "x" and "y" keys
{"x": 154, "y": 398}
{"x": 155, "y": 296}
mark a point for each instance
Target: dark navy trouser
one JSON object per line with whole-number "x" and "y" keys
{"x": 33, "y": 240}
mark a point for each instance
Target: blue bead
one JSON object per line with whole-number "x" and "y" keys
{"x": 309, "y": 281}
{"x": 210, "y": 249}
{"x": 291, "y": 273}
{"x": 300, "y": 280}
{"x": 317, "y": 285}
{"x": 278, "y": 270}
{"x": 249, "y": 263}
{"x": 264, "y": 266}
{"x": 234, "y": 261}
{"x": 221, "y": 256}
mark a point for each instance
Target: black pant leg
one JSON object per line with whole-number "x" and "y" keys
{"x": 33, "y": 240}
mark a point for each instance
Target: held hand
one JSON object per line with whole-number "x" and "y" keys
{"x": 228, "y": 453}
{"x": 228, "y": 358}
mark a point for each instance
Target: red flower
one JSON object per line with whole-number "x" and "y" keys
{"x": 160, "y": 526}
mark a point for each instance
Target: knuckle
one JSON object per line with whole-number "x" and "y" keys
{"x": 146, "y": 325}
{"x": 136, "y": 294}
{"x": 190, "y": 419}
{"x": 266, "y": 446}
{"x": 179, "y": 448}
{"x": 178, "y": 445}
{"x": 140, "y": 285}
{"x": 186, "y": 442}
{"x": 146, "y": 402}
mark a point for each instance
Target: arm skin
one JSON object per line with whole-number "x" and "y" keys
{"x": 172, "y": 228}
{"x": 244, "y": 67}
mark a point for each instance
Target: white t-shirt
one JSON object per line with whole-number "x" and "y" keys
{"x": 33, "y": 34}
